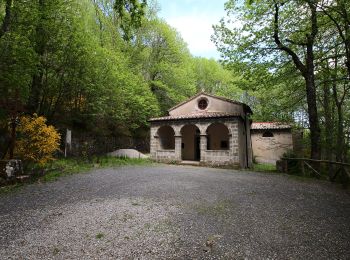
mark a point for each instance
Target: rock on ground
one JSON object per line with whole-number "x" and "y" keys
{"x": 128, "y": 153}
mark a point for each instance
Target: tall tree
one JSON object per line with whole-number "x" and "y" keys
{"x": 270, "y": 29}
{"x": 162, "y": 56}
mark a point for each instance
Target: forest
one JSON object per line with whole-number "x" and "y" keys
{"x": 105, "y": 67}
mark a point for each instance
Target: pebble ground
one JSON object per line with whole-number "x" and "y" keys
{"x": 176, "y": 212}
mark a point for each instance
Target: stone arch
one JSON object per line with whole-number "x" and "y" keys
{"x": 166, "y": 137}
{"x": 190, "y": 142}
{"x": 218, "y": 137}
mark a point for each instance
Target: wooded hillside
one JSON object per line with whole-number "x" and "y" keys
{"x": 97, "y": 66}
{"x": 106, "y": 66}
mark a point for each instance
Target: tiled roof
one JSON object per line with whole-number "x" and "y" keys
{"x": 270, "y": 125}
{"x": 195, "y": 116}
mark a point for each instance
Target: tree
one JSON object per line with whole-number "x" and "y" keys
{"x": 164, "y": 60}
{"x": 270, "y": 29}
{"x": 213, "y": 78}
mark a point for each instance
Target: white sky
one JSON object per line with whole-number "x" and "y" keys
{"x": 194, "y": 20}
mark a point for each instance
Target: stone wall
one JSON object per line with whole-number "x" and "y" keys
{"x": 270, "y": 149}
{"x": 231, "y": 156}
{"x": 217, "y": 157}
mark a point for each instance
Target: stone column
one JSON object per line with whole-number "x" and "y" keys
{"x": 154, "y": 142}
{"x": 249, "y": 143}
{"x": 178, "y": 141}
{"x": 203, "y": 147}
{"x": 234, "y": 142}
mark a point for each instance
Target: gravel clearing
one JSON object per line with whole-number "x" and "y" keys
{"x": 176, "y": 212}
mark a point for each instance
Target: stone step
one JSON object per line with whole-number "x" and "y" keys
{"x": 23, "y": 178}
{"x": 194, "y": 163}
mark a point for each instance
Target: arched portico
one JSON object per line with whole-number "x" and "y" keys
{"x": 218, "y": 137}
{"x": 166, "y": 137}
{"x": 211, "y": 141}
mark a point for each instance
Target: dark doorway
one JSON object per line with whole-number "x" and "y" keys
{"x": 190, "y": 143}
{"x": 197, "y": 154}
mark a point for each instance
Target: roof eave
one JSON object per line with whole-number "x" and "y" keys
{"x": 192, "y": 118}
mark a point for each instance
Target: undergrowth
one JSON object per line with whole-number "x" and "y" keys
{"x": 264, "y": 167}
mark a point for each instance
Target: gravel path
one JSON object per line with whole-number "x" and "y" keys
{"x": 176, "y": 212}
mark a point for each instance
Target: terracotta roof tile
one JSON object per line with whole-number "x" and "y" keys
{"x": 270, "y": 125}
{"x": 196, "y": 115}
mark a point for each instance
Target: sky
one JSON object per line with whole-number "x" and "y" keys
{"x": 194, "y": 20}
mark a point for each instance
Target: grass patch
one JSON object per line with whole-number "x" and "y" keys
{"x": 264, "y": 167}
{"x": 10, "y": 188}
{"x": 99, "y": 235}
{"x": 64, "y": 167}
{"x": 108, "y": 161}
{"x": 163, "y": 226}
{"x": 55, "y": 251}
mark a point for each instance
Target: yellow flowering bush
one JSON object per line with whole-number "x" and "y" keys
{"x": 36, "y": 141}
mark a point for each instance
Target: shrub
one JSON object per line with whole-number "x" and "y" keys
{"x": 36, "y": 141}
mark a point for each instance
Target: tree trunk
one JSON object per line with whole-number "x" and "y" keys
{"x": 340, "y": 134}
{"x": 7, "y": 20}
{"x": 37, "y": 81}
{"x": 328, "y": 120}
{"x": 315, "y": 131}
{"x": 35, "y": 92}
{"x": 309, "y": 75}
{"x": 308, "y": 72}
{"x": 339, "y": 102}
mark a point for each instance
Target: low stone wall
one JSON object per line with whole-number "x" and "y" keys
{"x": 165, "y": 156}
{"x": 208, "y": 157}
{"x": 217, "y": 157}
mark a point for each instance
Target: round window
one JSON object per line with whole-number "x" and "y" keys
{"x": 202, "y": 104}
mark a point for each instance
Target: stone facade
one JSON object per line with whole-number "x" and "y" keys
{"x": 229, "y": 156}
{"x": 270, "y": 141}
{"x": 208, "y": 129}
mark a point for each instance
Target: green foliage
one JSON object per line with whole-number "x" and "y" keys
{"x": 130, "y": 13}
{"x": 98, "y": 66}
{"x": 285, "y": 80}
{"x": 213, "y": 78}
{"x": 264, "y": 167}
{"x": 17, "y": 64}
{"x": 164, "y": 61}
{"x": 99, "y": 235}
